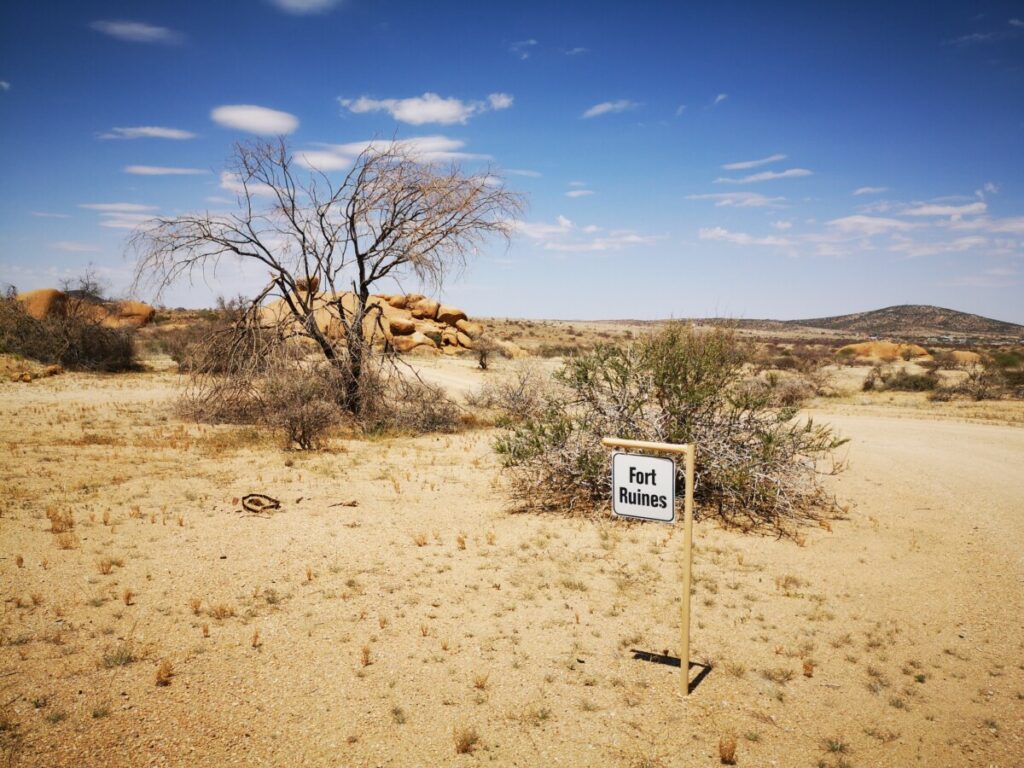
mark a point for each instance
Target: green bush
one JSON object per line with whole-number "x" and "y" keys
{"x": 757, "y": 465}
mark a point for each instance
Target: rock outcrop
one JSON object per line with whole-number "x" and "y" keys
{"x": 409, "y": 323}
{"x": 49, "y": 302}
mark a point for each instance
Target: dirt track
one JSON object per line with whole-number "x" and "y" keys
{"x": 908, "y": 612}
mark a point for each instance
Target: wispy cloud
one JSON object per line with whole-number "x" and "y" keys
{"x": 579, "y": 192}
{"x": 741, "y": 200}
{"x": 305, "y": 7}
{"x": 756, "y": 178}
{"x": 121, "y": 215}
{"x": 137, "y": 32}
{"x": 73, "y": 246}
{"x": 575, "y": 51}
{"x": 719, "y": 99}
{"x": 1017, "y": 23}
{"x": 427, "y": 149}
{"x": 946, "y": 210}
{"x": 566, "y": 237}
{"x": 523, "y": 48}
{"x": 118, "y": 207}
{"x": 867, "y": 226}
{"x": 254, "y": 119}
{"x": 610, "y": 107}
{"x": 869, "y": 190}
{"x": 745, "y": 164}
{"x": 782, "y": 226}
{"x": 429, "y": 108}
{"x": 741, "y": 238}
{"x": 680, "y": 109}
{"x": 148, "y": 132}
{"x": 523, "y": 172}
{"x": 4, "y": 85}
{"x": 972, "y": 38}
{"x": 48, "y": 215}
{"x": 160, "y": 170}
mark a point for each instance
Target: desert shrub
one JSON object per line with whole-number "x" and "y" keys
{"x": 881, "y": 379}
{"x": 757, "y": 465}
{"x": 984, "y": 382}
{"x": 778, "y": 392}
{"x": 77, "y": 339}
{"x": 517, "y": 397}
{"x": 410, "y": 405}
{"x": 303, "y": 403}
{"x": 559, "y": 350}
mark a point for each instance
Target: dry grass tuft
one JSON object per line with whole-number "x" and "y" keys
{"x": 195, "y": 604}
{"x": 60, "y": 520}
{"x": 420, "y": 539}
{"x": 480, "y": 681}
{"x": 256, "y": 642}
{"x": 67, "y": 540}
{"x": 127, "y": 596}
{"x": 466, "y": 739}
{"x": 206, "y": 630}
{"x": 221, "y": 611}
{"x": 808, "y": 668}
{"x": 364, "y": 656}
{"x": 727, "y": 750}
{"x": 19, "y": 561}
{"x": 460, "y": 540}
{"x": 164, "y": 672}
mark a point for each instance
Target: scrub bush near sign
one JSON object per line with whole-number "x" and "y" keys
{"x": 759, "y": 465}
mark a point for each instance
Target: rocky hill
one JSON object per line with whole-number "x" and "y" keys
{"x": 914, "y": 320}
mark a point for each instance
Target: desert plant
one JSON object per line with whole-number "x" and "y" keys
{"x": 517, "y": 397}
{"x": 466, "y": 740}
{"x": 75, "y": 337}
{"x": 757, "y": 464}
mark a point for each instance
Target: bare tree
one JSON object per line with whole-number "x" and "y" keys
{"x": 393, "y": 215}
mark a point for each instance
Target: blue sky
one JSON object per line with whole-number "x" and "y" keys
{"x": 745, "y": 159}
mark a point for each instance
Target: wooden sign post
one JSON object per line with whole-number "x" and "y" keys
{"x": 635, "y": 494}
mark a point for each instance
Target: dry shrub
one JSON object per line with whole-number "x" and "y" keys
{"x": 253, "y": 373}
{"x": 76, "y": 339}
{"x": 466, "y": 739}
{"x": 164, "y": 672}
{"x": 516, "y": 398}
{"x": 60, "y": 520}
{"x": 757, "y": 464}
{"x": 880, "y": 379}
{"x": 727, "y": 750}
{"x": 984, "y": 382}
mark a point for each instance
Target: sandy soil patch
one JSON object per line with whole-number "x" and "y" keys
{"x": 390, "y": 632}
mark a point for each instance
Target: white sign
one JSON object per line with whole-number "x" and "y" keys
{"x": 644, "y": 487}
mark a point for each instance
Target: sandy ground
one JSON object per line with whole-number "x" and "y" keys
{"x": 378, "y": 634}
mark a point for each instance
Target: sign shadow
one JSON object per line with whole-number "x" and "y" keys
{"x": 673, "y": 661}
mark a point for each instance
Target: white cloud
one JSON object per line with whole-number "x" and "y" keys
{"x": 579, "y": 192}
{"x": 743, "y": 165}
{"x": 1016, "y": 23}
{"x": 303, "y": 7}
{"x": 1013, "y": 226}
{"x": 867, "y": 226}
{"x": 4, "y": 85}
{"x": 754, "y": 178}
{"x": 740, "y": 238}
{"x": 782, "y": 225}
{"x": 610, "y": 107}
{"x": 159, "y": 170}
{"x": 575, "y": 51}
{"x": 73, "y": 246}
{"x": 612, "y": 242}
{"x": 913, "y": 248}
{"x": 217, "y": 200}
{"x": 523, "y": 172}
{"x": 136, "y": 32}
{"x": 522, "y": 48}
{"x": 680, "y": 109}
{"x": 124, "y": 220}
{"x": 428, "y": 108}
{"x": 719, "y": 99}
{"x": 974, "y": 37}
{"x": 427, "y": 149}
{"x": 232, "y": 182}
{"x": 946, "y": 210}
{"x": 741, "y": 200}
{"x": 148, "y": 132}
{"x": 870, "y": 190}
{"x": 538, "y": 231}
{"x": 46, "y": 215}
{"x": 118, "y": 207}
{"x": 254, "y": 119}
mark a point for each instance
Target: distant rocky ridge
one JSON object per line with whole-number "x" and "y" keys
{"x": 917, "y": 320}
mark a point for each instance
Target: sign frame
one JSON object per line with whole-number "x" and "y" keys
{"x": 689, "y": 451}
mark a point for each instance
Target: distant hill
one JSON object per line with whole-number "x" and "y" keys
{"x": 914, "y": 320}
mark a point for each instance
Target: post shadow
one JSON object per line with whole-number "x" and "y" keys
{"x": 673, "y": 661}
